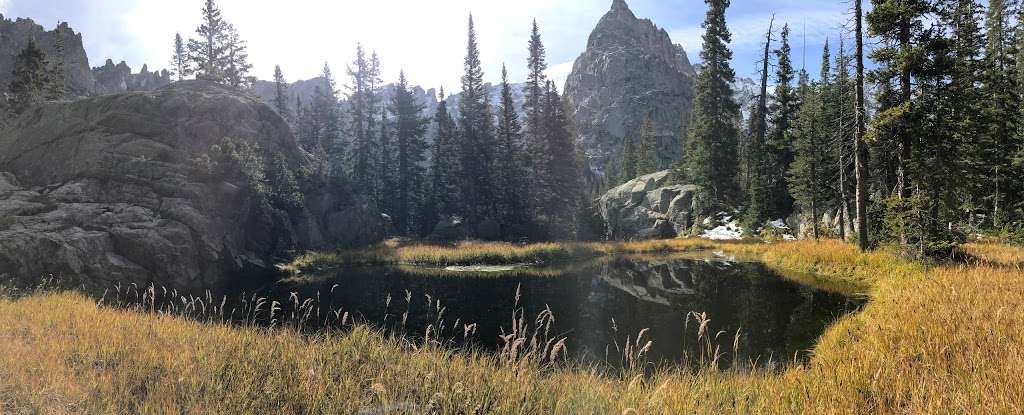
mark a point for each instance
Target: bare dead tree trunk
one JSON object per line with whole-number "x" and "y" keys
{"x": 859, "y": 147}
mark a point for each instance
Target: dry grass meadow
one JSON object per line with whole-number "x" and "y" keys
{"x": 932, "y": 339}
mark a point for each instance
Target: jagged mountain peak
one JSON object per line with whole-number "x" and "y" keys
{"x": 631, "y": 70}
{"x": 620, "y": 6}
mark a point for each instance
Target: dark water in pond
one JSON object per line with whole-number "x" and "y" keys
{"x": 598, "y": 305}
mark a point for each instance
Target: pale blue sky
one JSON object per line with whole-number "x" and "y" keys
{"x": 425, "y": 38}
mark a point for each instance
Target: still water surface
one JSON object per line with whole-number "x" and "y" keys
{"x": 597, "y": 306}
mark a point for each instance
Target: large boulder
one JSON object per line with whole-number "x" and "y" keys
{"x": 647, "y": 207}
{"x": 188, "y": 186}
{"x": 629, "y": 71}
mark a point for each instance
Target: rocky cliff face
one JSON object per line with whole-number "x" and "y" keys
{"x": 80, "y": 78}
{"x": 629, "y": 71}
{"x": 180, "y": 186}
{"x": 14, "y": 36}
{"x": 113, "y": 79}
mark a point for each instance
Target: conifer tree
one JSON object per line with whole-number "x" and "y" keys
{"x": 711, "y": 153}
{"x": 900, "y": 27}
{"x": 410, "y": 127}
{"x": 560, "y": 200}
{"x": 628, "y": 161}
{"x": 509, "y": 173}
{"x": 838, "y": 110}
{"x": 208, "y": 53}
{"x": 759, "y": 159}
{"x": 446, "y": 169}
{"x": 779, "y": 146}
{"x": 236, "y": 57}
{"x": 646, "y": 153}
{"x": 476, "y": 138}
{"x": 328, "y": 123}
{"x": 181, "y": 67}
{"x": 383, "y": 163}
{"x": 808, "y": 174}
{"x": 281, "y": 93}
{"x": 30, "y": 78}
{"x": 1004, "y": 107}
{"x": 361, "y": 114}
{"x": 533, "y": 94}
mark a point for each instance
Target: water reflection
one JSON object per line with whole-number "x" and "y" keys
{"x": 597, "y": 306}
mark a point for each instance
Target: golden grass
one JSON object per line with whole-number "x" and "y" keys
{"x": 996, "y": 253}
{"x": 486, "y": 253}
{"x": 944, "y": 339}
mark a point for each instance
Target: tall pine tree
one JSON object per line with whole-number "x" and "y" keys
{"x": 476, "y": 141}
{"x": 510, "y": 173}
{"x": 208, "y": 52}
{"x": 281, "y": 93}
{"x": 410, "y": 147}
{"x": 181, "y": 67}
{"x": 711, "y": 149}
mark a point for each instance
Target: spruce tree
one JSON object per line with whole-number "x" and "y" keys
{"x": 646, "y": 153}
{"x": 759, "y": 159}
{"x": 1004, "y": 107}
{"x": 181, "y": 67}
{"x": 900, "y": 26}
{"x": 361, "y": 114}
{"x": 510, "y": 174}
{"x": 236, "y": 60}
{"x": 208, "y": 52}
{"x": 476, "y": 138}
{"x": 383, "y": 163}
{"x": 30, "y": 78}
{"x": 560, "y": 200}
{"x": 627, "y": 162}
{"x": 445, "y": 167}
{"x": 779, "y": 144}
{"x": 842, "y": 138}
{"x": 281, "y": 93}
{"x": 326, "y": 119}
{"x": 533, "y": 94}
{"x": 711, "y": 149}
{"x": 410, "y": 128}
{"x": 809, "y": 181}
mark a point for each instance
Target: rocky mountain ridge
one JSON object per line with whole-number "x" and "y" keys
{"x": 629, "y": 71}
{"x": 80, "y": 78}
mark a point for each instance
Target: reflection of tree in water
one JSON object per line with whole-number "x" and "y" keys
{"x": 776, "y": 316}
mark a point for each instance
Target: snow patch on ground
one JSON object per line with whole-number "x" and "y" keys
{"x": 730, "y": 231}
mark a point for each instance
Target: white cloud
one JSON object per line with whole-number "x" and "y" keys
{"x": 4, "y": 6}
{"x": 559, "y": 72}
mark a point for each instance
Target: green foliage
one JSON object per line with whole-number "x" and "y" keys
{"x": 513, "y": 209}
{"x": 711, "y": 149}
{"x": 476, "y": 138}
{"x": 284, "y": 188}
{"x": 410, "y": 128}
{"x": 181, "y": 66}
{"x": 281, "y": 93}
{"x": 646, "y": 154}
{"x": 364, "y": 80}
{"x": 30, "y": 78}
{"x": 445, "y": 169}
